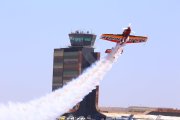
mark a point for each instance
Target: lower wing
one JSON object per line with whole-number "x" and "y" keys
{"x": 112, "y": 37}
{"x": 136, "y": 39}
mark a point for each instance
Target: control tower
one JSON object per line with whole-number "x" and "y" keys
{"x": 69, "y": 63}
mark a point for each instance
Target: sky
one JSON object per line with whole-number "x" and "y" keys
{"x": 146, "y": 74}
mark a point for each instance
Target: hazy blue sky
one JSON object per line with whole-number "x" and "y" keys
{"x": 145, "y": 75}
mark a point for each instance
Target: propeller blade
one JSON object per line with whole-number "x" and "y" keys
{"x": 133, "y": 32}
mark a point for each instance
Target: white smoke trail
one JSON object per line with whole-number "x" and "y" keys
{"x": 60, "y": 101}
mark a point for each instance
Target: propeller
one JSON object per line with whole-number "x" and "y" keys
{"x": 129, "y": 25}
{"x": 133, "y": 32}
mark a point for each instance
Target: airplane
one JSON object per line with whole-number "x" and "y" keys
{"x": 130, "y": 117}
{"x": 123, "y": 38}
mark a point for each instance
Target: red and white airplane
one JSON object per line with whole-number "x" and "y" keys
{"x": 123, "y": 38}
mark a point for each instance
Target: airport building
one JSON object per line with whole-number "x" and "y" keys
{"x": 69, "y": 63}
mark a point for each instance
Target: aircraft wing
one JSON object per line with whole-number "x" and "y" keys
{"x": 112, "y": 37}
{"x": 136, "y": 39}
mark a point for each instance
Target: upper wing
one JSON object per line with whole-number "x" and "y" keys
{"x": 112, "y": 37}
{"x": 136, "y": 39}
